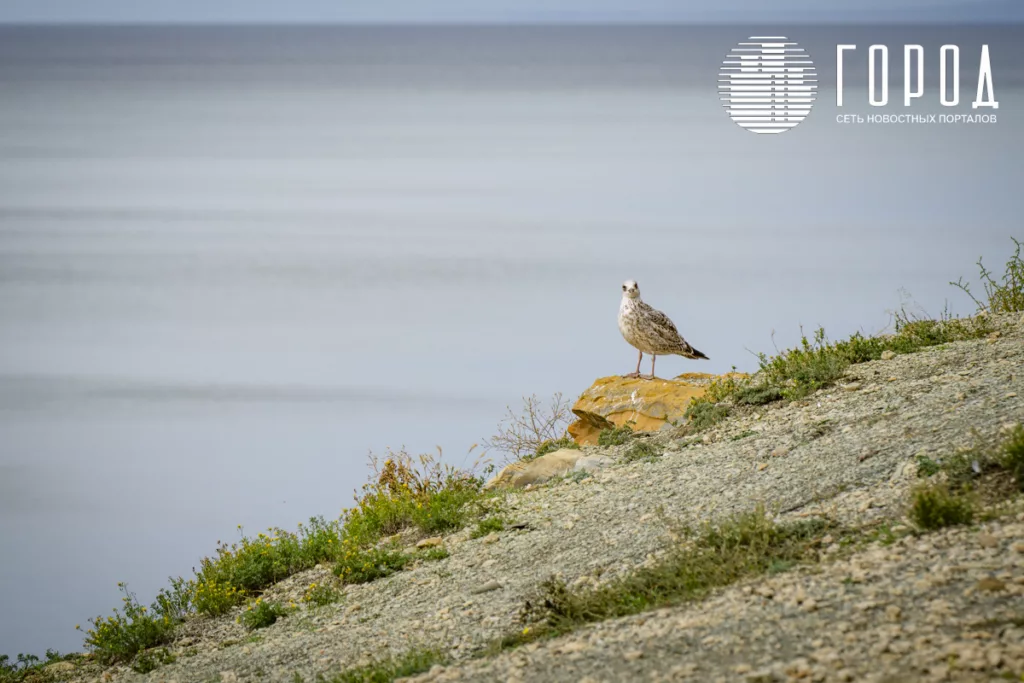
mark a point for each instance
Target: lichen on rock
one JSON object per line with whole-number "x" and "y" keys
{"x": 649, "y": 405}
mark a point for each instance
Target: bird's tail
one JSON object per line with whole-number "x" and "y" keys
{"x": 688, "y": 351}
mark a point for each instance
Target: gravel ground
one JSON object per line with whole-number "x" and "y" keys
{"x": 941, "y": 607}
{"x": 909, "y": 611}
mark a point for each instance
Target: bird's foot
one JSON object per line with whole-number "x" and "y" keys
{"x": 647, "y": 377}
{"x": 632, "y": 375}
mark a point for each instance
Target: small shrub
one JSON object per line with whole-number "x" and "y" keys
{"x": 702, "y": 414}
{"x": 522, "y": 435}
{"x": 359, "y": 565}
{"x": 253, "y": 564}
{"x": 403, "y": 493}
{"x": 151, "y": 660}
{"x": 214, "y": 599}
{"x": 488, "y": 525}
{"x": 120, "y": 637}
{"x": 933, "y": 506}
{"x": 757, "y": 394}
{"x": 386, "y": 670}
{"x": 28, "y": 667}
{"x": 1001, "y": 296}
{"x": 175, "y": 602}
{"x": 446, "y": 509}
{"x": 615, "y": 436}
{"x": 807, "y": 368}
{"x": 321, "y": 594}
{"x": 261, "y": 614}
{"x": 641, "y": 450}
{"x": 552, "y": 445}
{"x": 1011, "y": 456}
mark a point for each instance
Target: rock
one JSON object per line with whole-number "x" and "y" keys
{"x": 537, "y": 471}
{"x": 780, "y": 452}
{"x": 430, "y": 542}
{"x": 491, "y": 585}
{"x": 888, "y": 355}
{"x": 991, "y": 584}
{"x": 592, "y": 463}
{"x": 988, "y": 541}
{"x": 650, "y": 404}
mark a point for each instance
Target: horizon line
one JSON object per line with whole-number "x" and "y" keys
{"x": 652, "y": 23}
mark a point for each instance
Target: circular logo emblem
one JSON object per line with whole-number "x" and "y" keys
{"x": 767, "y": 84}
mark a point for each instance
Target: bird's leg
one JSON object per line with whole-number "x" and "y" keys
{"x": 637, "y": 373}
{"x": 653, "y": 357}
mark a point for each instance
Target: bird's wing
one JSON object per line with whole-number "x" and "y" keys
{"x": 663, "y": 327}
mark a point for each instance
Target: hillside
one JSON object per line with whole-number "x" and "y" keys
{"x": 867, "y": 594}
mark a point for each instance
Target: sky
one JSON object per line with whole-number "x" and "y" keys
{"x": 442, "y": 11}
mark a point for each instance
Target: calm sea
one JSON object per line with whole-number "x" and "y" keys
{"x": 233, "y": 261}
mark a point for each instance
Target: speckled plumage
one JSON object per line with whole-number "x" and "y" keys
{"x": 649, "y": 330}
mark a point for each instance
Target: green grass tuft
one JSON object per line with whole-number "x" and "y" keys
{"x": 926, "y": 467}
{"x": 151, "y": 660}
{"x": 1005, "y": 295}
{"x": 362, "y": 565}
{"x": 615, "y": 436}
{"x": 321, "y": 594}
{"x": 488, "y": 525}
{"x": 702, "y": 414}
{"x": 756, "y": 394}
{"x": 641, "y": 450}
{"x": 434, "y": 554}
{"x": 744, "y": 545}
{"x": 261, "y": 614}
{"x": 1011, "y": 456}
{"x": 387, "y": 670}
{"x": 818, "y": 363}
{"x": 934, "y": 506}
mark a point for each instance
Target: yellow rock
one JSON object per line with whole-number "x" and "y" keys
{"x": 649, "y": 403}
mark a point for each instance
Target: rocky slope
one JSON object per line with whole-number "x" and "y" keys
{"x": 948, "y": 605}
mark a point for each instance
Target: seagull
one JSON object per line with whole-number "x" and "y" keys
{"x": 649, "y": 330}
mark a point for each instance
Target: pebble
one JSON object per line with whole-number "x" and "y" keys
{"x": 487, "y": 587}
{"x": 991, "y": 584}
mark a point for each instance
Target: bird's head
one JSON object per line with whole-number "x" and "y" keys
{"x": 631, "y": 289}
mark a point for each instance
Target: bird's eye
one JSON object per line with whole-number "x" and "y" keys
{"x": 636, "y": 285}
{"x": 623, "y": 288}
